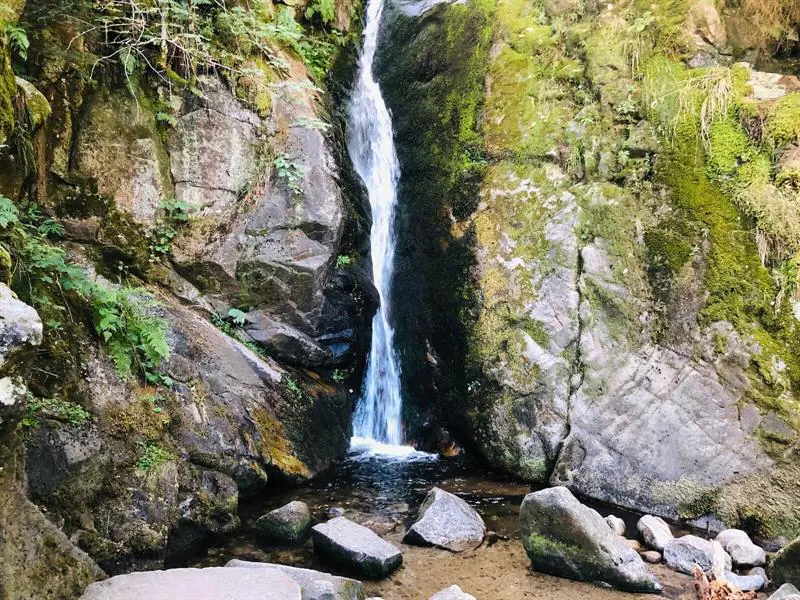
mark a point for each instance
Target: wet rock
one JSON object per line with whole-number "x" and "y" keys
{"x": 343, "y": 587}
{"x": 616, "y": 524}
{"x": 356, "y": 547}
{"x": 651, "y": 556}
{"x": 655, "y": 532}
{"x": 289, "y": 523}
{"x": 683, "y": 553}
{"x": 786, "y": 592}
{"x": 196, "y": 584}
{"x": 452, "y": 593}
{"x": 786, "y": 564}
{"x": 334, "y": 511}
{"x": 446, "y": 521}
{"x": 565, "y": 538}
{"x": 747, "y": 582}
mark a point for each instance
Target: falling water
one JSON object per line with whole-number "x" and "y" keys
{"x": 371, "y": 146}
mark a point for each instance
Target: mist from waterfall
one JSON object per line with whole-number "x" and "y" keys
{"x": 371, "y": 147}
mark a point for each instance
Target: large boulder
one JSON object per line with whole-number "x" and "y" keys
{"x": 344, "y": 588}
{"x": 355, "y": 547}
{"x": 683, "y": 553}
{"x": 565, "y": 538}
{"x": 655, "y": 532}
{"x": 446, "y": 521}
{"x": 785, "y": 566}
{"x": 452, "y": 593}
{"x": 211, "y": 583}
{"x": 290, "y": 523}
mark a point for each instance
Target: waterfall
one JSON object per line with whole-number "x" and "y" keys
{"x": 371, "y": 147}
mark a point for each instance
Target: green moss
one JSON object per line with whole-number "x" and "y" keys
{"x": 783, "y": 120}
{"x": 729, "y": 147}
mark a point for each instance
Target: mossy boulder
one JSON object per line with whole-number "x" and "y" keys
{"x": 565, "y": 538}
{"x": 785, "y": 566}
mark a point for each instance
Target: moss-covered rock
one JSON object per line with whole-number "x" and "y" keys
{"x": 608, "y": 307}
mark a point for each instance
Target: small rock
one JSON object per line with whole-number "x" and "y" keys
{"x": 446, "y": 521}
{"x": 617, "y": 525}
{"x": 786, "y": 592}
{"x": 746, "y": 554}
{"x": 683, "y": 553}
{"x": 565, "y": 538}
{"x": 334, "y": 511}
{"x": 636, "y": 545}
{"x": 651, "y": 556}
{"x": 743, "y": 552}
{"x": 746, "y": 583}
{"x": 730, "y": 535}
{"x": 452, "y": 593}
{"x": 288, "y": 524}
{"x": 356, "y": 547}
{"x": 655, "y": 532}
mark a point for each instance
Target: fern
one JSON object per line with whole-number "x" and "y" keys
{"x": 9, "y": 214}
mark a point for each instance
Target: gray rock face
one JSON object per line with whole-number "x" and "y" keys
{"x": 616, "y": 524}
{"x": 446, "y": 521}
{"x": 277, "y": 254}
{"x": 786, "y": 592}
{"x": 655, "y": 532}
{"x": 452, "y": 593}
{"x": 344, "y": 588}
{"x": 285, "y": 342}
{"x": 20, "y": 328}
{"x": 356, "y": 547}
{"x": 290, "y": 523}
{"x": 565, "y": 538}
{"x": 683, "y": 553}
{"x": 214, "y": 583}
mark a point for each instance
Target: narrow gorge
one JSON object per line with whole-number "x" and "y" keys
{"x": 405, "y": 294}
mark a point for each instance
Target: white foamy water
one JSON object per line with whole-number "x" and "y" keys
{"x": 367, "y": 448}
{"x": 371, "y": 146}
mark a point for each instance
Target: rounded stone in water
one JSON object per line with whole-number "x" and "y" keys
{"x": 446, "y": 521}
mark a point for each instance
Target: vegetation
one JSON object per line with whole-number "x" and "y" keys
{"x": 62, "y": 410}
{"x": 43, "y": 274}
{"x": 151, "y": 455}
{"x": 290, "y": 172}
{"x": 175, "y": 213}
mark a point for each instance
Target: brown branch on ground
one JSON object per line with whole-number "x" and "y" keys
{"x": 711, "y": 588}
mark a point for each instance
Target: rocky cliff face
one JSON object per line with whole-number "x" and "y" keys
{"x": 189, "y": 235}
{"x": 601, "y": 306}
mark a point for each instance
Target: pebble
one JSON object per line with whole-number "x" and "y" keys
{"x": 652, "y": 557}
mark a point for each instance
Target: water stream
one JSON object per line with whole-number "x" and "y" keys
{"x": 371, "y": 146}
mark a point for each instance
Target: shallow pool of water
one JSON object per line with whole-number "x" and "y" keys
{"x": 384, "y": 493}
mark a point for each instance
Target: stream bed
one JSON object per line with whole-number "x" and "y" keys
{"x": 384, "y": 493}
